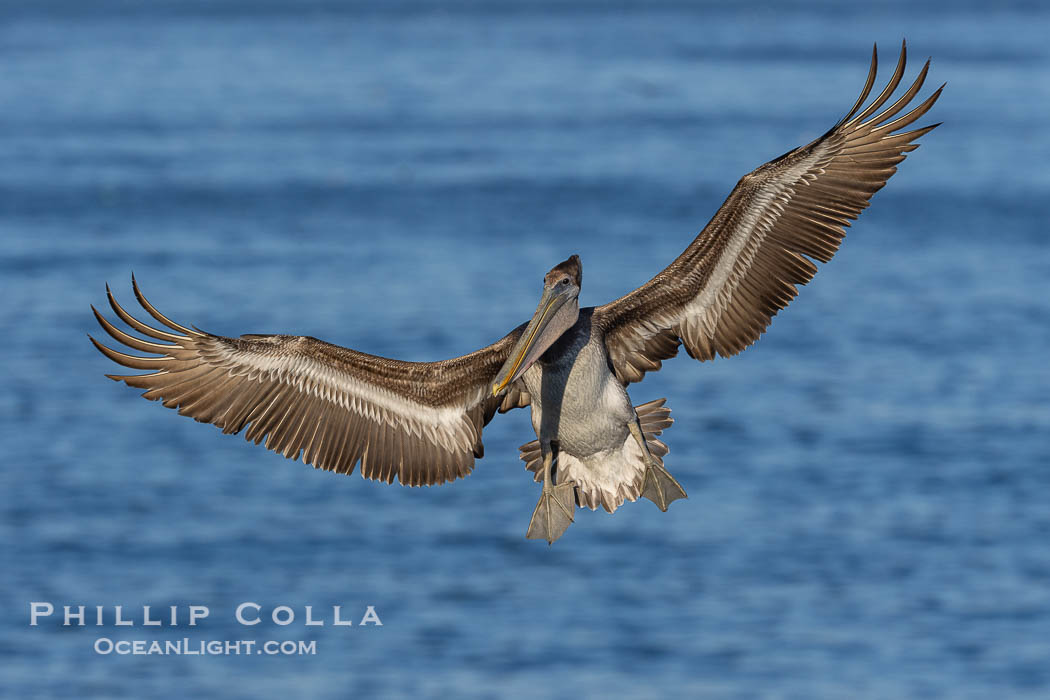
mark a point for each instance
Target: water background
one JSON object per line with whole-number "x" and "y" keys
{"x": 869, "y": 486}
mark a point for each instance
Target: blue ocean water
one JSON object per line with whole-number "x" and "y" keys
{"x": 868, "y": 510}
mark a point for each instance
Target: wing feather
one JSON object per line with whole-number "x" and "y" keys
{"x": 722, "y": 292}
{"x": 416, "y": 422}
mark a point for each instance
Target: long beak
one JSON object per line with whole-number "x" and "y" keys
{"x": 534, "y": 341}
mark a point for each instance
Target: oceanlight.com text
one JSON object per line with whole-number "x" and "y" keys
{"x": 213, "y": 647}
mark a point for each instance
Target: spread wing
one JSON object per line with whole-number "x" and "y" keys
{"x": 418, "y": 422}
{"x": 719, "y": 295}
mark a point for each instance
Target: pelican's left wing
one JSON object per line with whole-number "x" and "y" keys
{"x": 719, "y": 295}
{"x": 417, "y": 422}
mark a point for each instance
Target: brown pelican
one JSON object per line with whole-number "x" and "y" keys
{"x": 421, "y": 422}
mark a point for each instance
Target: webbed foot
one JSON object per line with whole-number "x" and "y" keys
{"x": 660, "y": 487}
{"x": 553, "y": 514}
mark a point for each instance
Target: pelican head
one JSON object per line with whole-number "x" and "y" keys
{"x": 557, "y": 312}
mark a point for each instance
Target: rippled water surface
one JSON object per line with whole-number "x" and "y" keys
{"x": 869, "y": 493}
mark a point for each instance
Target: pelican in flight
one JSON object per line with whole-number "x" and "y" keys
{"x": 421, "y": 422}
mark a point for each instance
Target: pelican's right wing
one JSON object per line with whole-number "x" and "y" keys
{"x": 719, "y": 295}
{"x": 418, "y": 422}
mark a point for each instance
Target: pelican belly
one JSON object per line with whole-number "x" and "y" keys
{"x": 580, "y": 407}
{"x": 606, "y": 478}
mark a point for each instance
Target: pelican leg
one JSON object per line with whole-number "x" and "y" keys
{"x": 659, "y": 486}
{"x": 554, "y": 512}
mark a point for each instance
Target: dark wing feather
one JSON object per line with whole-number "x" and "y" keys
{"x": 719, "y": 295}
{"x": 417, "y": 422}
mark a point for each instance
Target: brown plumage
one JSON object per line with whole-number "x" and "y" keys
{"x": 722, "y": 292}
{"x": 331, "y": 405}
{"x": 421, "y": 422}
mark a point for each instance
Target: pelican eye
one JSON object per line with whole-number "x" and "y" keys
{"x": 565, "y": 281}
